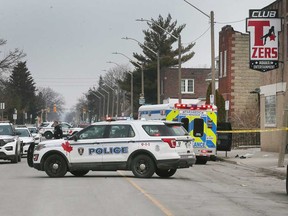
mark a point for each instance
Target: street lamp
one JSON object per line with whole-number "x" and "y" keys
{"x": 142, "y": 73}
{"x": 100, "y": 101}
{"x": 179, "y": 53}
{"x": 114, "y": 63}
{"x": 118, "y": 88}
{"x": 107, "y": 113}
{"x": 211, "y": 17}
{"x": 105, "y": 84}
{"x": 94, "y": 93}
{"x": 131, "y": 115}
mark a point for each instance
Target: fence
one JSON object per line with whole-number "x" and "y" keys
{"x": 246, "y": 140}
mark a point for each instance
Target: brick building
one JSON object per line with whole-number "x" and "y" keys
{"x": 194, "y": 83}
{"x": 237, "y": 83}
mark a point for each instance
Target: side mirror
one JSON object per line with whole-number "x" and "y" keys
{"x": 75, "y": 138}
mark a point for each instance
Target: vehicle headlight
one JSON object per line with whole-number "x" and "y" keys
{"x": 39, "y": 147}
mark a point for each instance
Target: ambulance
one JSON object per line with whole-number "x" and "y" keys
{"x": 198, "y": 118}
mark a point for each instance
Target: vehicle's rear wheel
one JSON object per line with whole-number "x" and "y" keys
{"x": 55, "y": 166}
{"x": 79, "y": 173}
{"x": 48, "y": 135}
{"x": 143, "y": 166}
{"x": 201, "y": 159}
{"x": 165, "y": 173}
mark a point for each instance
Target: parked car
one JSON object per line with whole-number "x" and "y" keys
{"x": 10, "y": 144}
{"x": 26, "y": 138}
{"x": 144, "y": 147}
{"x": 35, "y": 133}
{"x": 46, "y": 129}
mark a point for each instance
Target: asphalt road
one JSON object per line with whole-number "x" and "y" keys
{"x": 218, "y": 188}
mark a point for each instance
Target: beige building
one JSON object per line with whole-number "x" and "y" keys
{"x": 273, "y": 91}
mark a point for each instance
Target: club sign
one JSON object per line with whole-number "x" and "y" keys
{"x": 264, "y": 28}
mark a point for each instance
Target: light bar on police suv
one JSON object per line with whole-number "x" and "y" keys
{"x": 193, "y": 106}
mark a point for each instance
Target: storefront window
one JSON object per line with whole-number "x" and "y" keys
{"x": 270, "y": 111}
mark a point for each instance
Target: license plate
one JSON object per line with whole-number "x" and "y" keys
{"x": 184, "y": 156}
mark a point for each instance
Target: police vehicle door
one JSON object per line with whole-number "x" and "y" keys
{"x": 87, "y": 147}
{"x": 119, "y": 143}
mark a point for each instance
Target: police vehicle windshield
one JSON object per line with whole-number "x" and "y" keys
{"x": 165, "y": 130}
{"x": 6, "y": 130}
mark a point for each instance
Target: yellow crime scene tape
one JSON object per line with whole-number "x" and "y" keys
{"x": 252, "y": 130}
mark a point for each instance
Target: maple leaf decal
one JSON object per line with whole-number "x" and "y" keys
{"x": 67, "y": 147}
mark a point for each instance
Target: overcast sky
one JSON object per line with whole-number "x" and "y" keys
{"x": 68, "y": 42}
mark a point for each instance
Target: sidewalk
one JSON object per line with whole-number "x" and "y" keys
{"x": 255, "y": 158}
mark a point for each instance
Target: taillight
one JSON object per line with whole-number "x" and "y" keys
{"x": 170, "y": 141}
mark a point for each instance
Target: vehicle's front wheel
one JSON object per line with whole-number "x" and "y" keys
{"x": 165, "y": 173}
{"x": 55, "y": 166}
{"x": 287, "y": 180}
{"x": 19, "y": 157}
{"x": 143, "y": 166}
{"x": 79, "y": 173}
{"x": 15, "y": 157}
{"x": 30, "y": 155}
{"x": 48, "y": 135}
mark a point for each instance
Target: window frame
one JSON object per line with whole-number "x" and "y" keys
{"x": 185, "y": 86}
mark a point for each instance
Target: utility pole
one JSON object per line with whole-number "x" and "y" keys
{"x": 211, "y": 17}
{"x": 282, "y": 148}
{"x": 212, "y": 53}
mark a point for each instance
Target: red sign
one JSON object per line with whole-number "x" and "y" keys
{"x": 264, "y": 27}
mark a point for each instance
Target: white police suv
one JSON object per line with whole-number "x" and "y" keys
{"x": 10, "y": 144}
{"x": 144, "y": 147}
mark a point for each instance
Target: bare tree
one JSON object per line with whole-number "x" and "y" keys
{"x": 47, "y": 98}
{"x": 9, "y": 61}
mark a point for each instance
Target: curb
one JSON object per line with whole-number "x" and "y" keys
{"x": 270, "y": 172}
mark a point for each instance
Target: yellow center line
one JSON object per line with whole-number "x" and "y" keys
{"x": 151, "y": 198}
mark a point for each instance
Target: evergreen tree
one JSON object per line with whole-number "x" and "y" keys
{"x": 161, "y": 42}
{"x": 21, "y": 92}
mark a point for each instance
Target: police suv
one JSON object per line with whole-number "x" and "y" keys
{"x": 10, "y": 144}
{"x": 144, "y": 147}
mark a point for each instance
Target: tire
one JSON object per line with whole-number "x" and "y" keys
{"x": 48, "y": 135}
{"x": 19, "y": 158}
{"x": 79, "y": 173}
{"x": 143, "y": 166}
{"x": 287, "y": 181}
{"x": 55, "y": 166}
{"x": 30, "y": 155}
{"x": 15, "y": 158}
{"x": 201, "y": 160}
{"x": 165, "y": 173}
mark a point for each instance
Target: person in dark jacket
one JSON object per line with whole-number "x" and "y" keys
{"x": 58, "y": 133}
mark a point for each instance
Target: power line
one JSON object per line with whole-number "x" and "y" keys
{"x": 231, "y": 21}
{"x": 202, "y": 34}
